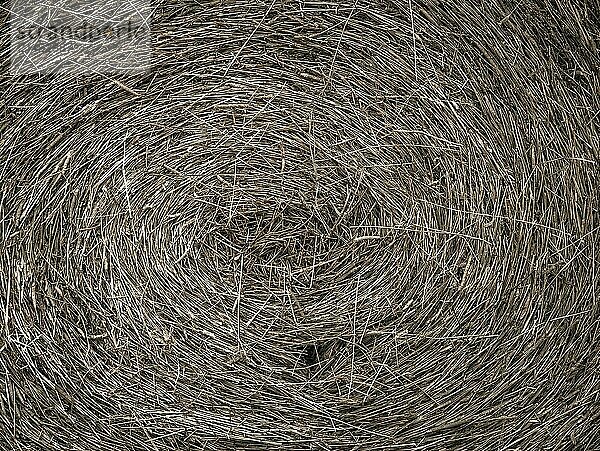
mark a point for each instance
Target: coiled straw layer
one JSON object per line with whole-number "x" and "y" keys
{"x": 312, "y": 225}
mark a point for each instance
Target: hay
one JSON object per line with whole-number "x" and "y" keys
{"x": 312, "y": 225}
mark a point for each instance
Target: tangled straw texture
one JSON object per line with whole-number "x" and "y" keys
{"x": 311, "y": 226}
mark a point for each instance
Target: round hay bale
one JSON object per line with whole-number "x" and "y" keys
{"x": 311, "y": 225}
